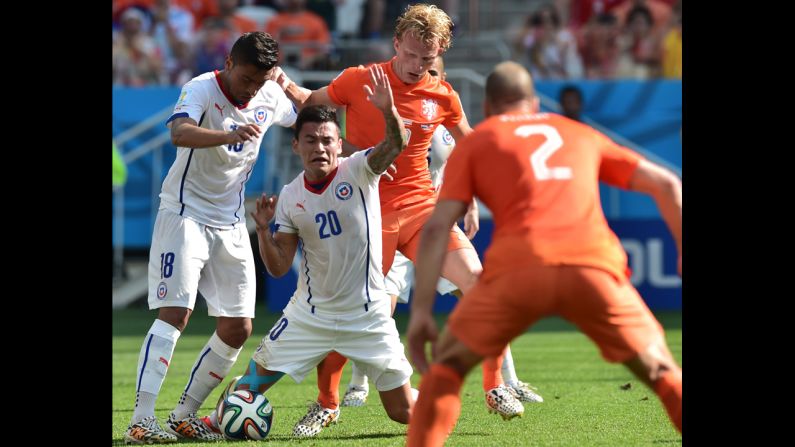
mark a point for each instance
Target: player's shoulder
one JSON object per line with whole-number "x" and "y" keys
{"x": 271, "y": 91}
{"x": 294, "y": 186}
{"x": 203, "y": 80}
{"x": 353, "y": 71}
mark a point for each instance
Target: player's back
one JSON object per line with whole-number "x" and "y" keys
{"x": 539, "y": 174}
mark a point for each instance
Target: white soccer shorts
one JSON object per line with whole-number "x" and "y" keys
{"x": 300, "y": 340}
{"x": 187, "y": 256}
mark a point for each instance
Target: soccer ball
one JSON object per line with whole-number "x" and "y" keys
{"x": 245, "y": 414}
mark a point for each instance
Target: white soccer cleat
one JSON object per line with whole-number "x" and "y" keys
{"x": 147, "y": 431}
{"x": 193, "y": 428}
{"x": 525, "y": 392}
{"x": 356, "y": 396}
{"x": 315, "y": 420}
{"x": 500, "y": 400}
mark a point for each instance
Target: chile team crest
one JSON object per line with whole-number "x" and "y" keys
{"x": 344, "y": 191}
{"x": 429, "y": 108}
{"x": 260, "y": 114}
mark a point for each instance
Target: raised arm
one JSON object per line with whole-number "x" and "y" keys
{"x": 276, "y": 249}
{"x": 186, "y": 133}
{"x": 380, "y": 95}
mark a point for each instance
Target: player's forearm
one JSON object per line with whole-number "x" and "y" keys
{"x": 272, "y": 255}
{"x": 196, "y": 137}
{"x": 430, "y": 257}
{"x": 669, "y": 202}
{"x": 300, "y": 96}
{"x": 394, "y": 143}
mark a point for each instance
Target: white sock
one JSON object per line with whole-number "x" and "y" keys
{"x": 358, "y": 377}
{"x": 214, "y": 363}
{"x": 153, "y": 363}
{"x": 508, "y": 371}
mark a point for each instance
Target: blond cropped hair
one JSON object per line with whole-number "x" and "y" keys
{"x": 427, "y": 23}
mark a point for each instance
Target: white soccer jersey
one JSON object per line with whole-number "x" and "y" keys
{"x": 208, "y": 184}
{"x": 442, "y": 143}
{"x": 340, "y": 233}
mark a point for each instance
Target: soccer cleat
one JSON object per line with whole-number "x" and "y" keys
{"x": 147, "y": 431}
{"x": 356, "y": 396}
{"x": 208, "y": 421}
{"x": 524, "y": 392}
{"x": 193, "y": 428}
{"x": 315, "y": 419}
{"x": 501, "y": 401}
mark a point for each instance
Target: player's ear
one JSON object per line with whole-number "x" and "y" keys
{"x": 536, "y": 105}
{"x": 339, "y": 147}
{"x": 295, "y": 146}
{"x": 396, "y": 43}
{"x": 228, "y": 63}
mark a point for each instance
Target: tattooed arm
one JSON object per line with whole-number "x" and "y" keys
{"x": 380, "y": 95}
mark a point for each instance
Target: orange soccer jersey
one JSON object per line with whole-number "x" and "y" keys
{"x": 539, "y": 175}
{"x": 422, "y": 105}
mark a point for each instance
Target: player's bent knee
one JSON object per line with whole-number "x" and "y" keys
{"x": 175, "y": 316}
{"x": 399, "y": 413}
{"x": 234, "y": 331}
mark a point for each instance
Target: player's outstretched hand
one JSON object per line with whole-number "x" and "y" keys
{"x": 266, "y": 208}
{"x": 380, "y": 95}
{"x": 422, "y": 329}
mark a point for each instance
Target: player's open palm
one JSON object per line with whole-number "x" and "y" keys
{"x": 266, "y": 209}
{"x": 380, "y": 95}
{"x": 422, "y": 329}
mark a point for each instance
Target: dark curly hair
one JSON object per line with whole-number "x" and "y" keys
{"x": 257, "y": 48}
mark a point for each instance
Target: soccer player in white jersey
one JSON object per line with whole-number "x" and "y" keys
{"x": 333, "y": 209}
{"x": 200, "y": 241}
{"x": 400, "y": 278}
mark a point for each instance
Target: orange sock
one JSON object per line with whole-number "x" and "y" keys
{"x": 436, "y": 411}
{"x": 492, "y": 371}
{"x": 669, "y": 389}
{"x": 329, "y": 374}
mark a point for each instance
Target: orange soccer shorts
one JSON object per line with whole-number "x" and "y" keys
{"x": 401, "y": 230}
{"x": 502, "y": 306}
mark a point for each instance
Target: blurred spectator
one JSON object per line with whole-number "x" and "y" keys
{"x": 672, "y": 46}
{"x": 375, "y": 13}
{"x": 577, "y": 13}
{"x": 214, "y": 42}
{"x": 570, "y": 99}
{"x": 325, "y": 9}
{"x": 260, "y": 11}
{"x": 660, "y": 12}
{"x": 349, "y": 15}
{"x": 240, "y": 24}
{"x": 600, "y": 49}
{"x": 549, "y": 51}
{"x": 640, "y": 46}
{"x": 304, "y": 39}
{"x": 172, "y": 31}
{"x": 200, "y": 9}
{"x": 136, "y": 58}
